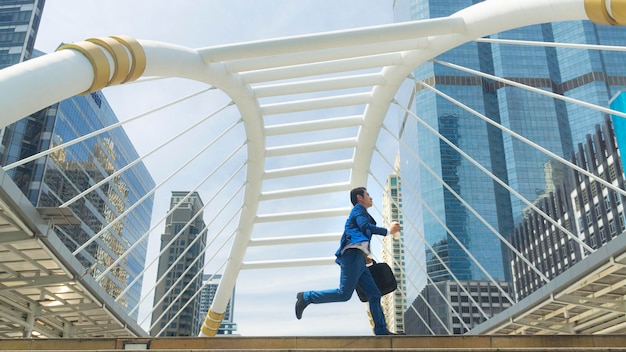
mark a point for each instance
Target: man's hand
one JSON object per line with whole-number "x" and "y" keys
{"x": 394, "y": 228}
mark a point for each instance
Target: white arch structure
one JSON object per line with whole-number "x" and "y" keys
{"x": 245, "y": 72}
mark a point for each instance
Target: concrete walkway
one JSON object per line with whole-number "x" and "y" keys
{"x": 336, "y": 343}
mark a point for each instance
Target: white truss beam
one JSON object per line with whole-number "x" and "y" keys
{"x": 317, "y": 125}
{"x": 275, "y": 241}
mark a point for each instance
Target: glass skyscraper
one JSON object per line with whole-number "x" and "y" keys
{"x": 449, "y": 223}
{"x": 52, "y": 180}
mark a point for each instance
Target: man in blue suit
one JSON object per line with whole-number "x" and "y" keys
{"x": 353, "y": 257}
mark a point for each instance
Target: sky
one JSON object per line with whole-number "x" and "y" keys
{"x": 264, "y": 303}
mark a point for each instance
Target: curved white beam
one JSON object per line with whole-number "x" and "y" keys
{"x": 487, "y": 17}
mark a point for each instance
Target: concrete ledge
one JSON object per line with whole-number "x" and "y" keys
{"x": 324, "y": 343}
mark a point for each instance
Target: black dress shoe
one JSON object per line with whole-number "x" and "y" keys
{"x": 300, "y": 305}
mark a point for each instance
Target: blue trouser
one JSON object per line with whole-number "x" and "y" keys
{"x": 353, "y": 272}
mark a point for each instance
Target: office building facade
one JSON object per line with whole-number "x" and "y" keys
{"x": 452, "y": 308}
{"x": 464, "y": 208}
{"x": 209, "y": 288}
{"x": 19, "y": 22}
{"x": 592, "y": 212}
{"x": 179, "y": 276}
{"x": 52, "y": 180}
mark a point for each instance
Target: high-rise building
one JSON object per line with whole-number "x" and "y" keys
{"x": 209, "y": 288}
{"x": 394, "y": 304}
{"x": 592, "y": 212}
{"x": 176, "y": 304}
{"x": 19, "y": 22}
{"x": 450, "y": 222}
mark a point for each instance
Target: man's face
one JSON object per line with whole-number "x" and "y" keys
{"x": 366, "y": 200}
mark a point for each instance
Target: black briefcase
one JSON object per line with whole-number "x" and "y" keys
{"x": 383, "y": 277}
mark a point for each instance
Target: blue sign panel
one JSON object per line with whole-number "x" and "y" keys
{"x": 619, "y": 123}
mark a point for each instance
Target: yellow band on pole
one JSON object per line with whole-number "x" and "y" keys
{"x": 98, "y": 60}
{"x": 121, "y": 58}
{"x": 129, "y": 60}
{"x": 598, "y": 13}
{"x": 208, "y": 332}
{"x": 618, "y": 10}
{"x": 212, "y": 323}
{"x": 215, "y": 316}
{"x": 138, "y": 55}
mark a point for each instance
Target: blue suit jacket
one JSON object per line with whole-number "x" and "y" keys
{"x": 360, "y": 226}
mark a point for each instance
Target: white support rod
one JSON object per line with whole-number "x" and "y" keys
{"x": 98, "y": 132}
{"x": 321, "y": 68}
{"x": 185, "y": 274}
{"x": 145, "y": 156}
{"x": 204, "y": 250}
{"x": 456, "y": 239}
{"x": 181, "y": 231}
{"x": 315, "y": 125}
{"x": 305, "y": 191}
{"x": 528, "y": 203}
{"x": 411, "y": 282}
{"x": 332, "y": 54}
{"x": 342, "y": 38}
{"x": 212, "y": 240}
{"x": 319, "y": 85}
{"x": 615, "y": 326}
{"x": 553, "y": 44}
{"x": 532, "y": 144}
{"x": 288, "y": 263}
{"x": 274, "y": 241}
{"x": 309, "y": 169}
{"x": 165, "y": 248}
{"x": 311, "y": 147}
{"x": 304, "y": 215}
{"x": 317, "y": 103}
{"x": 534, "y": 89}
{"x": 429, "y": 279}
{"x": 436, "y": 254}
{"x": 474, "y": 212}
{"x": 142, "y": 199}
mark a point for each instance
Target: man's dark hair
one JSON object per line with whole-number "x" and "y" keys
{"x": 359, "y": 191}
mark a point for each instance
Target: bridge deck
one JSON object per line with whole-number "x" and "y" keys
{"x": 336, "y": 343}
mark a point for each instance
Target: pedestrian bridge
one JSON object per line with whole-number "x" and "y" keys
{"x": 339, "y": 96}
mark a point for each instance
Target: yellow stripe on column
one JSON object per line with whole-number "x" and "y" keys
{"x": 618, "y": 9}
{"x": 138, "y": 55}
{"x": 121, "y": 59}
{"x": 208, "y": 332}
{"x": 212, "y": 323}
{"x": 99, "y": 63}
{"x": 598, "y": 13}
{"x": 129, "y": 59}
